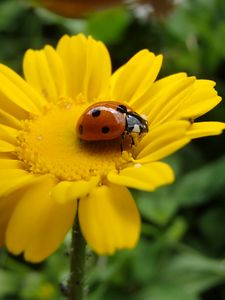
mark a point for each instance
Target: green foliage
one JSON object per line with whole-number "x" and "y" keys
{"x": 181, "y": 253}
{"x": 113, "y": 30}
{"x": 198, "y": 30}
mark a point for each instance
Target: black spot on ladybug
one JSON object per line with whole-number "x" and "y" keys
{"x": 105, "y": 129}
{"x": 95, "y": 113}
{"x": 81, "y": 129}
{"x": 121, "y": 108}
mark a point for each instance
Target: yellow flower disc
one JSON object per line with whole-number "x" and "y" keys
{"x": 49, "y": 144}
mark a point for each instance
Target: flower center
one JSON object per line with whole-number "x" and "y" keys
{"x": 49, "y": 144}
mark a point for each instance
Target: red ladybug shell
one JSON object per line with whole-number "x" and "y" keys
{"x": 102, "y": 121}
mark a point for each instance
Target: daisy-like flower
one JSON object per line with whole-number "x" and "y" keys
{"x": 49, "y": 176}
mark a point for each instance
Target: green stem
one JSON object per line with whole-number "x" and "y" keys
{"x": 77, "y": 264}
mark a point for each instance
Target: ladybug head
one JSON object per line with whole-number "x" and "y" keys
{"x": 135, "y": 123}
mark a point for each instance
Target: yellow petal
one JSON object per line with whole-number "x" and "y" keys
{"x": 38, "y": 224}
{"x": 44, "y": 71}
{"x": 168, "y": 100}
{"x": 8, "y": 134}
{"x": 87, "y": 66}
{"x": 205, "y": 129}
{"x": 7, "y": 205}
{"x": 19, "y": 92}
{"x": 98, "y": 71}
{"x": 109, "y": 219}
{"x": 158, "y": 89}
{"x": 7, "y": 155}
{"x": 198, "y": 108}
{"x": 173, "y": 79}
{"x": 10, "y": 164}
{"x": 8, "y": 119}
{"x": 179, "y": 97}
{"x": 163, "y": 140}
{"x": 11, "y": 191}
{"x": 10, "y": 112}
{"x": 6, "y": 147}
{"x": 165, "y": 151}
{"x": 144, "y": 177}
{"x": 135, "y": 78}
{"x": 66, "y": 191}
{"x": 203, "y": 99}
{"x": 13, "y": 179}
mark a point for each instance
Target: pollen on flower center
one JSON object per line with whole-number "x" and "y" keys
{"x": 49, "y": 144}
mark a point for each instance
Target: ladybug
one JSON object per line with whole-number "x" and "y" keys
{"x": 109, "y": 120}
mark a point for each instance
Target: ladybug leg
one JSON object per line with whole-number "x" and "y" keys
{"x": 126, "y": 141}
{"x": 121, "y": 141}
{"x": 121, "y": 146}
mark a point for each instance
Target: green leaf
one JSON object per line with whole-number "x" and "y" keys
{"x": 196, "y": 187}
{"x": 201, "y": 185}
{"x": 184, "y": 277}
{"x": 176, "y": 230}
{"x": 8, "y": 283}
{"x": 166, "y": 292}
{"x": 194, "y": 271}
{"x": 99, "y": 26}
{"x": 158, "y": 206}
{"x": 210, "y": 225}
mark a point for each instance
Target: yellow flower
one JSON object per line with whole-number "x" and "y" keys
{"x": 48, "y": 175}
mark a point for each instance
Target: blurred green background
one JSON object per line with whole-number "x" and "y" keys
{"x": 181, "y": 255}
